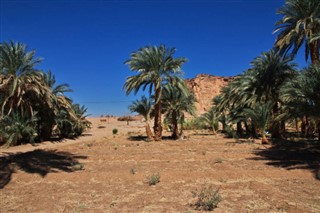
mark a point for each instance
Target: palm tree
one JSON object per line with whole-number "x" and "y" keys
{"x": 177, "y": 99}
{"x": 19, "y": 80}
{"x": 48, "y": 110}
{"x": 210, "y": 119}
{"x": 299, "y": 24}
{"x": 301, "y": 96}
{"x": 260, "y": 116}
{"x": 270, "y": 71}
{"x": 154, "y": 67}
{"x": 144, "y": 108}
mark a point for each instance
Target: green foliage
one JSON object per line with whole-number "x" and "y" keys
{"x": 153, "y": 179}
{"x": 16, "y": 129}
{"x": 176, "y": 100}
{"x": 211, "y": 120}
{"x": 207, "y": 198}
{"x": 155, "y": 66}
{"x": 31, "y": 104}
{"x": 299, "y": 26}
{"x": 194, "y": 124}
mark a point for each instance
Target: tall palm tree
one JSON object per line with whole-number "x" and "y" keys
{"x": 177, "y": 99}
{"x": 154, "y": 67}
{"x": 300, "y": 22}
{"x": 144, "y": 107}
{"x": 270, "y": 71}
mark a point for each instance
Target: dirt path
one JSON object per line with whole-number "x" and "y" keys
{"x": 251, "y": 178}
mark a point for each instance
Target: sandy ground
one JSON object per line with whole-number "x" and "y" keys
{"x": 250, "y": 177}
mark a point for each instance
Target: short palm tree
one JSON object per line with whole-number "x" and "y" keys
{"x": 260, "y": 116}
{"x": 299, "y": 24}
{"x": 154, "y": 67}
{"x": 16, "y": 129}
{"x": 177, "y": 99}
{"x": 144, "y": 107}
{"x": 210, "y": 118}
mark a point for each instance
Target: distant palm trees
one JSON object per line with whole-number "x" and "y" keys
{"x": 30, "y": 102}
{"x": 155, "y": 66}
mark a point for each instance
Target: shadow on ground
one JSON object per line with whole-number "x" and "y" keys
{"x": 292, "y": 155}
{"x": 38, "y": 161}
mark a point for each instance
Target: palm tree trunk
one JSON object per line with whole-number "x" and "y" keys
{"x": 175, "y": 130}
{"x": 264, "y": 139}
{"x": 157, "y": 117}
{"x": 318, "y": 127}
{"x": 297, "y": 125}
{"x": 247, "y": 128}
{"x": 275, "y": 128}
{"x": 314, "y": 51}
{"x": 148, "y": 131}
{"x": 239, "y": 128}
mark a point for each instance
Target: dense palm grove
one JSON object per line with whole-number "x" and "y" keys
{"x": 267, "y": 98}
{"x": 33, "y": 107}
{"x": 264, "y": 100}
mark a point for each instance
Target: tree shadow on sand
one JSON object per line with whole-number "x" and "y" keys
{"x": 292, "y": 155}
{"x": 38, "y": 161}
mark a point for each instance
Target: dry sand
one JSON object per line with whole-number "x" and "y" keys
{"x": 251, "y": 177}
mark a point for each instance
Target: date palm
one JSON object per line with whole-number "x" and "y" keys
{"x": 48, "y": 109}
{"x": 210, "y": 118}
{"x": 260, "y": 116}
{"x": 20, "y": 82}
{"x": 300, "y": 24}
{"x": 176, "y": 100}
{"x": 143, "y": 107}
{"x": 301, "y": 95}
{"x": 154, "y": 67}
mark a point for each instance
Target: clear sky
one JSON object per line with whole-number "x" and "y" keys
{"x": 85, "y": 42}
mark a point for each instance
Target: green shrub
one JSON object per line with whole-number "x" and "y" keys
{"x": 114, "y": 131}
{"x": 153, "y": 179}
{"x": 194, "y": 124}
{"x": 207, "y": 198}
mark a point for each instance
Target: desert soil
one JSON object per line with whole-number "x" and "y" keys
{"x": 250, "y": 177}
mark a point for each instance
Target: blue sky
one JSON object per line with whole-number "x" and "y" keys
{"x": 84, "y": 43}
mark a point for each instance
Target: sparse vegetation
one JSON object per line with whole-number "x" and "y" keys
{"x": 153, "y": 179}
{"x": 207, "y": 198}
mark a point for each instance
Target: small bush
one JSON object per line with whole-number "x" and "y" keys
{"x": 207, "y": 198}
{"x": 153, "y": 179}
{"x": 114, "y": 131}
{"x": 132, "y": 171}
{"x": 218, "y": 160}
{"x": 194, "y": 124}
